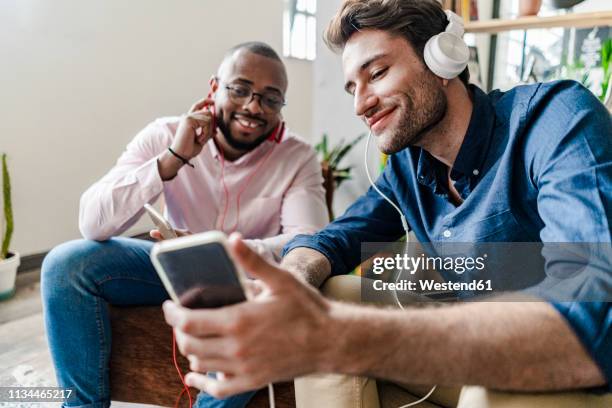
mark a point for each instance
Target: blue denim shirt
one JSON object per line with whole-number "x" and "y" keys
{"x": 535, "y": 166}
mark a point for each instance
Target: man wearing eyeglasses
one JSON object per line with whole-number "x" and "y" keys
{"x": 226, "y": 165}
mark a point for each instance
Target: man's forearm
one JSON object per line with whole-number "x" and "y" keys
{"x": 168, "y": 165}
{"x": 308, "y": 265}
{"x": 501, "y": 345}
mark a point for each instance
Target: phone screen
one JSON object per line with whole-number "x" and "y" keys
{"x": 202, "y": 276}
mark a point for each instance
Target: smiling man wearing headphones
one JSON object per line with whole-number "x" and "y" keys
{"x": 533, "y": 164}
{"x": 229, "y": 165}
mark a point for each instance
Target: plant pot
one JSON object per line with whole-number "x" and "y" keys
{"x": 529, "y": 7}
{"x": 8, "y": 273}
{"x": 563, "y": 4}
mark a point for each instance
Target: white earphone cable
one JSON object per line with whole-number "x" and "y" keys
{"x": 406, "y": 231}
{"x": 412, "y": 404}
{"x": 271, "y": 395}
{"x": 365, "y": 162}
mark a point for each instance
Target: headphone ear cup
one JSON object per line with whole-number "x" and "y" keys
{"x": 446, "y": 55}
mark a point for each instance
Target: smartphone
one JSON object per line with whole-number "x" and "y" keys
{"x": 162, "y": 224}
{"x": 198, "y": 271}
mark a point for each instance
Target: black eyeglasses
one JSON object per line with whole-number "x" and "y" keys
{"x": 243, "y": 95}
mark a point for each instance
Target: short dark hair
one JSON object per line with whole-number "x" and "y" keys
{"x": 415, "y": 20}
{"x": 256, "y": 47}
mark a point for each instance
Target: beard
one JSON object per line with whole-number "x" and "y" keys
{"x": 233, "y": 141}
{"x": 425, "y": 106}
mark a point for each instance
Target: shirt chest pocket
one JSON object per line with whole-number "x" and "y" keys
{"x": 499, "y": 227}
{"x": 261, "y": 217}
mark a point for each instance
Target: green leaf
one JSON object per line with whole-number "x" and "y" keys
{"x": 334, "y": 153}
{"x": 8, "y": 209}
{"x": 345, "y": 149}
{"x": 606, "y": 61}
{"x": 342, "y": 174}
{"x": 321, "y": 147}
{"x": 606, "y": 55}
{"x": 337, "y": 153}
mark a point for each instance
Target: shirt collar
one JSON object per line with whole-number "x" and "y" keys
{"x": 473, "y": 150}
{"x": 475, "y": 146}
{"x": 428, "y": 170}
{"x": 247, "y": 158}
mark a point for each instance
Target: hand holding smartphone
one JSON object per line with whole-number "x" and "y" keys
{"x": 164, "y": 227}
{"x": 198, "y": 271}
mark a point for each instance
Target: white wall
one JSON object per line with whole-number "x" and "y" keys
{"x": 333, "y": 112}
{"x": 78, "y": 79}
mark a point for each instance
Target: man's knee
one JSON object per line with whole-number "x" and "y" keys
{"x": 335, "y": 390}
{"x": 343, "y": 287}
{"x": 69, "y": 263}
{"x": 356, "y": 289}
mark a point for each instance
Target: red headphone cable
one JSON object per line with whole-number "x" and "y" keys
{"x": 244, "y": 186}
{"x": 178, "y": 369}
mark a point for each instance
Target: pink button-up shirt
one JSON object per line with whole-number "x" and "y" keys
{"x": 269, "y": 195}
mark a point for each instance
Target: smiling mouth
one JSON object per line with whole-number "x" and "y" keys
{"x": 377, "y": 118}
{"x": 248, "y": 122}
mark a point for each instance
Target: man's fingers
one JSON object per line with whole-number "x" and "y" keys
{"x": 203, "y": 348}
{"x": 201, "y": 122}
{"x": 196, "y": 322}
{"x": 199, "y": 381}
{"x": 257, "y": 266}
{"x": 255, "y": 287}
{"x": 201, "y": 104}
{"x": 183, "y": 233}
{"x": 211, "y": 365}
{"x": 201, "y": 117}
{"x": 155, "y": 234}
{"x": 219, "y": 388}
{"x": 203, "y": 137}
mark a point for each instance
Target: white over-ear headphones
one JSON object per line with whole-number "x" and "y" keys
{"x": 446, "y": 54}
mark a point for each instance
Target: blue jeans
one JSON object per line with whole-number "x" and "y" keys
{"x": 78, "y": 281}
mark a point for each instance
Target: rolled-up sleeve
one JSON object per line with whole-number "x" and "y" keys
{"x": 369, "y": 219}
{"x": 591, "y": 322}
{"x": 115, "y": 202}
{"x": 573, "y": 174}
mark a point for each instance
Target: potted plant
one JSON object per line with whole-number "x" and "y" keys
{"x": 529, "y": 7}
{"x": 606, "y": 63}
{"x": 333, "y": 174}
{"x": 9, "y": 261}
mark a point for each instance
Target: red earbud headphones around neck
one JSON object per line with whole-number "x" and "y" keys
{"x": 279, "y": 132}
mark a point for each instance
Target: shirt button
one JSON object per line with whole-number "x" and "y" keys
{"x": 475, "y": 172}
{"x": 447, "y": 234}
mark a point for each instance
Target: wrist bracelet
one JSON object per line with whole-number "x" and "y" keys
{"x": 181, "y": 158}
